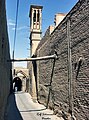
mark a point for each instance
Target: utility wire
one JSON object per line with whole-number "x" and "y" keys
{"x": 15, "y": 28}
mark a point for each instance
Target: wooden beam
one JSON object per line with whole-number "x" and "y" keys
{"x": 34, "y": 59}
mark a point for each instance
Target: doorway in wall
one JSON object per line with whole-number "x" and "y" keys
{"x": 17, "y": 84}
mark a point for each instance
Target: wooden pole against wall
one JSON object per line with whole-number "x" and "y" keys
{"x": 50, "y": 85}
{"x": 70, "y": 70}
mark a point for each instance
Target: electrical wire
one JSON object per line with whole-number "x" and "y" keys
{"x": 15, "y": 28}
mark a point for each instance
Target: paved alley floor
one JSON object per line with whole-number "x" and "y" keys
{"x": 21, "y": 107}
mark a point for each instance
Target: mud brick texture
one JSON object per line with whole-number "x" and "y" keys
{"x": 5, "y": 67}
{"x": 58, "y": 40}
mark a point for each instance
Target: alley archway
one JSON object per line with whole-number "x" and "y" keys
{"x": 17, "y": 84}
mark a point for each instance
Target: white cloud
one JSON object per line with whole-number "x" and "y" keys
{"x": 10, "y": 22}
{"x": 11, "y": 25}
{"x": 20, "y": 28}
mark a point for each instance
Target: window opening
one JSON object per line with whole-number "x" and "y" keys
{"x": 38, "y": 15}
{"x": 34, "y": 18}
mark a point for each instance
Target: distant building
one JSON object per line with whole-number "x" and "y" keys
{"x": 23, "y": 74}
{"x": 58, "y": 18}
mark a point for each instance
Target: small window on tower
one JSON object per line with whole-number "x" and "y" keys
{"x": 34, "y": 17}
{"x": 38, "y": 15}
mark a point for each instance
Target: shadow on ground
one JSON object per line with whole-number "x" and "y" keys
{"x": 33, "y": 110}
{"x": 12, "y": 112}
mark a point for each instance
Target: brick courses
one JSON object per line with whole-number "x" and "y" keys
{"x": 79, "y": 32}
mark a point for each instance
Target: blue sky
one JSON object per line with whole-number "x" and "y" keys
{"x": 50, "y": 8}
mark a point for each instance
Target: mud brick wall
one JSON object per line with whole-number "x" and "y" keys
{"x": 58, "y": 40}
{"x": 30, "y": 76}
{"x": 5, "y": 67}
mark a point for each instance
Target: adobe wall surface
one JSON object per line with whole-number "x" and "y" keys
{"x": 58, "y": 40}
{"x": 5, "y": 67}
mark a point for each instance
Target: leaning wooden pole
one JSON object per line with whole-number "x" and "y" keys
{"x": 70, "y": 70}
{"x": 50, "y": 85}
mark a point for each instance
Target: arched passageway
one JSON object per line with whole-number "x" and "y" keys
{"x": 24, "y": 78}
{"x": 17, "y": 84}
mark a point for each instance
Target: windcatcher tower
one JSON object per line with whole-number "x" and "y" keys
{"x": 35, "y": 37}
{"x": 35, "y": 27}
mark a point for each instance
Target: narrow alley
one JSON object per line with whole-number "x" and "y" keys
{"x": 44, "y": 60}
{"x": 21, "y": 107}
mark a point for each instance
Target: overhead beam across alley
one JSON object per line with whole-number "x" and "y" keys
{"x": 55, "y": 56}
{"x": 34, "y": 59}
